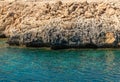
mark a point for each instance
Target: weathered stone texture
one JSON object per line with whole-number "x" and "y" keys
{"x": 61, "y": 25}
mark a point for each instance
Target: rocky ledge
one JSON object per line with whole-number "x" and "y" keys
{"x": 61, "y": 25}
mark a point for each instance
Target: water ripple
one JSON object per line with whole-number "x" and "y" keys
{"x": 40, "y": 65}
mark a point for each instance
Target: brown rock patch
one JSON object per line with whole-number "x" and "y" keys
{"x": 109, "y": 38}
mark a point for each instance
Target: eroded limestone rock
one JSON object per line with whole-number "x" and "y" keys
{"x": 61, "y": 24}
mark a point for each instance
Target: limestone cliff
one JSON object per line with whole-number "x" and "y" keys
{"x": 61, "y": 24}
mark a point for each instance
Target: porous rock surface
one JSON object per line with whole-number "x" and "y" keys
{"x": 61, "y": 25}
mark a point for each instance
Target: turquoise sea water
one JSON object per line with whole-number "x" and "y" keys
{"x": 43, "y": 65}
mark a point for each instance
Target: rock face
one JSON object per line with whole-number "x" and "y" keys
{"x": 61, "y": 25}
{"x": 82, "y": 33}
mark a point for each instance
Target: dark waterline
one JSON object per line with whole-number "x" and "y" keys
{"x": 42, "y": 65}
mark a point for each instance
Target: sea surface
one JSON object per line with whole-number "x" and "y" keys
{"x": 44, "y": 65}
